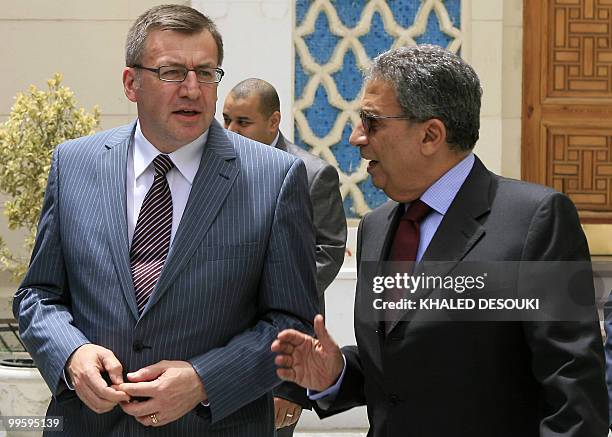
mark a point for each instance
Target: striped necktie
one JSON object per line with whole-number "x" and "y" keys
{"x": 151, "y": 241}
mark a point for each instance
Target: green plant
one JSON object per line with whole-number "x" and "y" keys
{"x": 39, "y": 121}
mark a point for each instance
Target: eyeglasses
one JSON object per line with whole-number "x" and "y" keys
{"x": 366, "y": 119}
{"x": 175, "y": 73}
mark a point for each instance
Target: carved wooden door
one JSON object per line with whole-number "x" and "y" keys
{"x": 567, "y": 106}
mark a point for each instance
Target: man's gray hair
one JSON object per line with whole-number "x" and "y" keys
{"x": 431, "y": 82}
{"x": 178, "y": 18}
{"x": 268, "y": 97}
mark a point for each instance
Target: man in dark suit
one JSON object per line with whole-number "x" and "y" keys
{"x": 169, "y": 254}
{"x": 252, "y": 109}
{"x": 422, "y": 375}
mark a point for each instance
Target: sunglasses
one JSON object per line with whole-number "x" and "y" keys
{"x": 366, "y": 119}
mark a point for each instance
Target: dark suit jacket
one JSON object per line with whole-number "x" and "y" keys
{"x": 469, "y": 379}
{"x": 241, "y": 268}
{"x": 330, "y": 235}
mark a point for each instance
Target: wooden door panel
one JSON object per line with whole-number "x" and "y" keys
{"x": 578, "y": 54}
{"x": 578, "y": 164}
{"x": 567, "y": 101}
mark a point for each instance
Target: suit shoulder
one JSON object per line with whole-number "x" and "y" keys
{"x": 379, "y": 214}
{"x": 526, "y": 193}
{"x": 94, "y": 142}
{"x": 313, "y": 163}
{"x": 250, "y": 151}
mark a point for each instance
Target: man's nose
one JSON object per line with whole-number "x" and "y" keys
{"x": 190, "y": 87}
{"x": 358, "y": 136}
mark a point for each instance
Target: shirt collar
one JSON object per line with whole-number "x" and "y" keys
{"x": 441, "y": 194}
{"x": 275, "y": 142}
{"x": 186, "y": 159}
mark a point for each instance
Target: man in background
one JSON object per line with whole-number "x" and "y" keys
{"x": 252, "y": 109}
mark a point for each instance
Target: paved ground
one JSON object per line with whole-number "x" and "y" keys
{"x": 297, "y": 434}
{"x": 330, "y": 434}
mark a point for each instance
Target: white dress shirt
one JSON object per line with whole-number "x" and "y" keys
{"x": 140, "y": 174}
{"x": 275, "y": 142}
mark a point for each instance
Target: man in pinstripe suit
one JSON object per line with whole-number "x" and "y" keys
{"x": 184, "y": 351}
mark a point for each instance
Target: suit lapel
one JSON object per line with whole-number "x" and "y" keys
{"x": 460, "y": 228}
{"x": 111, "y": 169}
{"x": 373, "y": 252}
{"x": 211, "y": 185}
{"x": 379, "y": 242}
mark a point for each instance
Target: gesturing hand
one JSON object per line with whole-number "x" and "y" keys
{"x": 314, "y": 363}
{"x": 174, "y": 389}
{"x": 85, "y": 367}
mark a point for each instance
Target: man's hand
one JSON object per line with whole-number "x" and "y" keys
{"x": 174, "y": 389}
{"x": 312, "y": 363}
{"x": 286, "y": 413}
{"x": 85, "y": 367}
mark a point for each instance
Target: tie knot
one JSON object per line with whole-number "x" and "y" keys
{"x": 163, "y": 164}
{"x": 417, "y": 211}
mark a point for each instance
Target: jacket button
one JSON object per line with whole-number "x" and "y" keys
{"x": 137, "y": 346}
{"x": 393, "y": 399}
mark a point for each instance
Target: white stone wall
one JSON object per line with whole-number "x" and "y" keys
{"x": 493, "y": 46}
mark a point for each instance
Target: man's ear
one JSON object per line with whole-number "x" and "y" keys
{"x": 131, "y": 83}
{"x": 274, "y": 121}
{"x": 434, "y": 136}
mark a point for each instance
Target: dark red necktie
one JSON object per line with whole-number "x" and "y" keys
{"x": 407, "y": 236}
{"x": 404, "y": 248}
{"x": 151, "y": 241}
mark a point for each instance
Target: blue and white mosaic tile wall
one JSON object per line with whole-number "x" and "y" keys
{"x": 334, "y": 42}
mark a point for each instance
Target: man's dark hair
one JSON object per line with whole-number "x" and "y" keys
{"x": 178, "y": 18}
{"x": 268, "y": 97}
{"x": 431, "y": 82}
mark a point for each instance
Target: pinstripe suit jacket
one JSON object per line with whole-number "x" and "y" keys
{"x": 240, "y": 269}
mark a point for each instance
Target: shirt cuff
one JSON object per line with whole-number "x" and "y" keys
{"x": 205, "y": 403}
{"x": 67, "y": 380}
{"x": 332, "y": 391}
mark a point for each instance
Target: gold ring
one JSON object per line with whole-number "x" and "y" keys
{"x": 289, "y": 415}
{"x": 154, "y": 419}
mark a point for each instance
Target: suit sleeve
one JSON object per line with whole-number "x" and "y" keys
{"x": 294, "y": 393}
{"x": 243, "y": 370}
{"x": 567, "y": 355}
{"x": 42, "y": 302}
{"x": 330, "y": 225}
{"x": 351, "y": 393}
